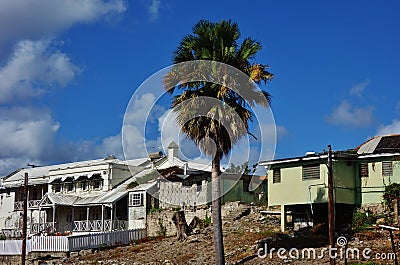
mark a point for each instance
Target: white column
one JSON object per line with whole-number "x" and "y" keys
{"x": 30, "y": 223}
{"x": 40, "y": 215}
{"x": 283, "y": 218}
{"x": 54, "y": 216}
{"x": 111, "y": 216}
{"x": 102, "y": 217}
{"x": 87, "y": 218}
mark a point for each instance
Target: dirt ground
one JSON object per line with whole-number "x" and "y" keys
{"x": 243, "y": 239}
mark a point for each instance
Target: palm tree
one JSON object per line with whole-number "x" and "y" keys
{"x": 216, "y": 115}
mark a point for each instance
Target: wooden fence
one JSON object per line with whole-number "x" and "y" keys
{"x": 71, "y": 243}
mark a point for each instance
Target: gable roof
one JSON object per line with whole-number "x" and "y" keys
{"x": 380, "y": 145}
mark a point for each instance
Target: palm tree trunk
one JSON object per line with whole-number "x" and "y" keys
{"x": 216, "y": 212}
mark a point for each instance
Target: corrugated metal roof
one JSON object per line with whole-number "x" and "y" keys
{"x": 369, "y": 146}
{"x": 61, "y": 199}
{"x": 99, "y": 197}
{"x": 380, "y": 144}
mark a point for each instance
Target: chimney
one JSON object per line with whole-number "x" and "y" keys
{"x": 173, "y": 149}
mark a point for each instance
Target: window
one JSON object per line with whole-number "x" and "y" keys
{"x": 387, "y": 169}
{"x": 69, "y": 186}
{"x": 276, "y": 175}
{"x": 97, "y": 184}
{"x": 364, "y": 171}
{"x": 135, "y": 199}
{"x": 84, "y": 185}
{"x": 311, "y": 172}
{"x": 57, "y": 188}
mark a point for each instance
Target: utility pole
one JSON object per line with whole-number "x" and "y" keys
{"x": 25, "y": 218}
{"x": 331, "y": 210}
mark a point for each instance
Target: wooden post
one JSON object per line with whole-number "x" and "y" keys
{"x": 393, "y": 247}
{"x": 331, "y": 210}
{"x": 390, "y": 228}
{"x": 283, "y": 218}
{"x": 73, "y": 219}
{"x": 25, "y": 219}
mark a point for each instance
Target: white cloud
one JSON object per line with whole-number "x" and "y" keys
{"x": 133, "y": 132}
{"x": 393, "y": 128}
{"x": 348, "y": 115}
{"x": 154, "y": 9}
{"x": 168, "y": 128}
{"x": 32, "y": 65}
{"x": 35, "y": 19}
{"x": 357, "y": 89}
{"x": 111, "y": 145}
{"x": 33, "y": 68}
{"x": 27, "y": 135}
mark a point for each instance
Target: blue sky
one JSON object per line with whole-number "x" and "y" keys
{"x": 69, "y": 68}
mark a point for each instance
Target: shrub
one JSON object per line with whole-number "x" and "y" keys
{"x": 363, "y": 220}
{"x": 392, "y": 192}
{"x": 162, "y": 231}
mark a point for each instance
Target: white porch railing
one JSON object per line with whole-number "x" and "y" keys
{"x": 98, "y": 225}
{"x": 48, "y": 227}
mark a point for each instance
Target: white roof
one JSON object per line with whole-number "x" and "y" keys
{"x": 97, "y": 197}
{"x": 40, "y": 175}
{"x": 369, "y": 146}
{"x": 180, "y": 163}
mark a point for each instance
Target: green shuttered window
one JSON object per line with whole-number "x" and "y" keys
{"x": 311, "y": 172}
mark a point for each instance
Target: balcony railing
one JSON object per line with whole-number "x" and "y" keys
{"x": 48, "y": 227}
{"x": 98, "y": 225}
{"x": 12, "y": 232}
{"x": 33, "y": 203}
{"x": 19, "y": 205}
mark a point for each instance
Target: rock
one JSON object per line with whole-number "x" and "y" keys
{"x": 381, "y": 221}
{"x": 194, "y": 240}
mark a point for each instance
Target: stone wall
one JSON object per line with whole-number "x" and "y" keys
{"x": 156, "y": 221}
{"x": 376, "y": 208}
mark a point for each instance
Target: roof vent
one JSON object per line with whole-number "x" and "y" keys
{"x": 310, "y": 153}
